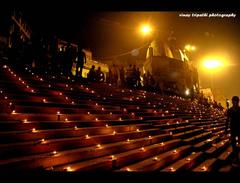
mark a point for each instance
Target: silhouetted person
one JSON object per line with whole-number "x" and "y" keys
{"x": 122, "y": 76}
{"x": 129, "y": 74}
{"x": 233, "y": 118}
{"x": 138, "y": 77}
{"x": 114, "y": 74}
{"x": 99, "y": 75}
{"x": 68, "y": 60}
{"x": 92, "y": 74}
{"x": 81, "y": 59}
{"x": 110, "y": 75}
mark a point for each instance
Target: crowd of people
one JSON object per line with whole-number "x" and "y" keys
{"x": 95, "y": 75}
{"x": 43, "y": 54}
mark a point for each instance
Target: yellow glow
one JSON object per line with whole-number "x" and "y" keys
{"x": 189, "y": 47}
{"x": 215, "y": 62}
{"x": 145, "y": 29}
{"x": 69, "y": 169}
{"x": 87, "y": 136}
{"x": 212, "y": 64}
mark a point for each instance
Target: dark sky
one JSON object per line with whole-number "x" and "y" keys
{"x": 112, "y": 33}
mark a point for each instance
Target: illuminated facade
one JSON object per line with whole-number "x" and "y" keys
{"x": 170, "y": 65}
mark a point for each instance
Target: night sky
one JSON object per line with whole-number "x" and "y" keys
{"x": 111, "y": 33}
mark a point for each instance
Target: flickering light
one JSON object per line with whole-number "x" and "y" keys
{"x": 150, "y": 137}
{"x": 34, "y": 130}
{"x": 60, "y": 93}
{"x": 32, "y": 91}
{"x": 66, "y": 119}
{"x": 4, "y": 66}
{"x": 10, "y": 103}
{"x": 72, "y": 102}
{"x": 66, "y": 98}
{"x": 66, "y": 86}
{"x": 113, "y": 157}
{"x": 68, "y": 169}
{"x": 99, "y": 146}
{"x": 128, "y": 169}
{"x": 141, "y": 118}
{"x": 128, "y": 140}
{"x": 87, "y": 136}
{"x": 142, "y": 149}
{"x": 42, "y": 140}
{"x": 88, "y": 113}
{"x": 44, "y": 100}
{"x": 188, "y": 159}
{"x": 102, "y": 109}
{"x": 155, "y": 158}
{"x": 110, "y": 113}
{"x": 75, "y": 127}
{"x": 174, "y": 151}
{"x": 132, "y": 114}
{"x": 54, "y": 152}
{"x": 203, "y": 168}
{"x": 58, "y": 113}
{"x": 172, "y": 169}
{"x": 96, "y": 104}
{"x": 96, "y": 119}
{"x": 137, "y": 107}
{"x": 27, "y": 86}
{"x": 162, "y": 144}
{"x": 114, "y": 132}
{"x": 13, "y": 112}
{"x": 120, "y": 119}
{"x": 107, "y": 125}
{"x": 5, "y": 97}
{"x": 25, "y": 120}
{"x": 137, "y": 130}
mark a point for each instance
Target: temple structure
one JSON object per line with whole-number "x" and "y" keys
{"x": 170, "y": 66}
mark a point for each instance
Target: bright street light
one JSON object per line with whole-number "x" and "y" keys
{"x": 187, "y": 92}
{"x": 146, "y": 29}
{"x": 189, "y": 47}
{"x": 212, "y": 64}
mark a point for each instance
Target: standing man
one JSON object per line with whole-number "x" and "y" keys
{"x": 81, "y": 59}
{"x": 233, "y": 117}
